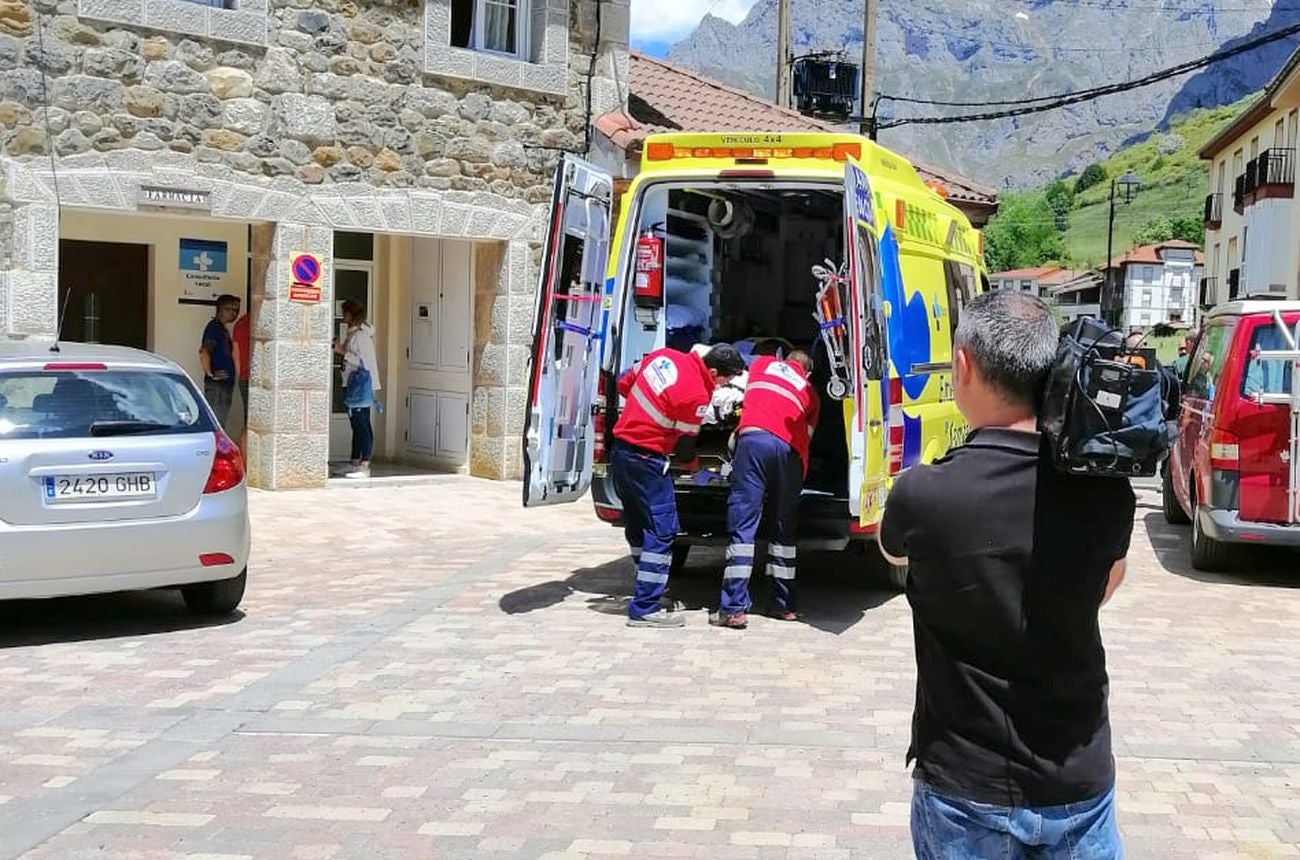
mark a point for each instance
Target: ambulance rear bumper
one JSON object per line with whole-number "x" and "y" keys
{"x": 824, "y": 520}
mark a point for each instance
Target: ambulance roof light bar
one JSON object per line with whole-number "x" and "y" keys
{"x": 667, "y": 151}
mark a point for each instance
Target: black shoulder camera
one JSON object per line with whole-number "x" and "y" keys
{"x": 1108, "y": 408}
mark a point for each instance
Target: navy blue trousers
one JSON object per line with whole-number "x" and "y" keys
{"x": 649, "y": 521}
{"x": 767, "y": 478}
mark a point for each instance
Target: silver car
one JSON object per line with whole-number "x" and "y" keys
{"x": 114, "y": 475}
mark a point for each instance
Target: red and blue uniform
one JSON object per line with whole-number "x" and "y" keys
{"x": 779, "y": 414}
{"x": 667, "y": 395}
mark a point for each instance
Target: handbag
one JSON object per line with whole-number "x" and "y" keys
{"x": 359, "y": 391}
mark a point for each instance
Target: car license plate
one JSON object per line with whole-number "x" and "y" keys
{"x": 96, "y": 488}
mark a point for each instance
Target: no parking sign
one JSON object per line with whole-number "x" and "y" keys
{"x": 305, "y": 269}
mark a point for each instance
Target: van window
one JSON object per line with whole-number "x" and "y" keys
{"x": 1207, "y": 363}
{"x": 874, "y": 358}
{"x": 961, "y": 289}
{"x": 1265, "y": 377}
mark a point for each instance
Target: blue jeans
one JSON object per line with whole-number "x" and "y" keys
{"x": 649, "y": 519}
{"x": 768, "y": 478}
{"x": 947, "y": 828}
{"x": 363, "y": 434}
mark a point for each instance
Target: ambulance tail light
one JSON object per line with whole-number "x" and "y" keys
{"x": 896, "y": 426}
{"x": 598, "y": 413}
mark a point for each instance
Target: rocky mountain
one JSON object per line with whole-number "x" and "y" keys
{"x": 980, "y": 50}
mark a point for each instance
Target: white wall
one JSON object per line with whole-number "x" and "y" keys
{"x": 1166, "y": 278}
{"x": 174, "y": 329}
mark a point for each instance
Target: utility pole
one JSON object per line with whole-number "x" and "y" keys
{"x": 868, "y": 66}
{"x": 783, "y": 53}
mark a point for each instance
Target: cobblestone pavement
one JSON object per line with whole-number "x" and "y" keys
{"x": 413, "y": 678}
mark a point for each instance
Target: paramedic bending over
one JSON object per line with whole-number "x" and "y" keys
{"x": 667, "y": 393}
{"x": 776, "y": 425}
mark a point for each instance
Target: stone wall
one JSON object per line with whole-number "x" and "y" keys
{"x": 333, "y": 118}
{"x": 337, "y": 95}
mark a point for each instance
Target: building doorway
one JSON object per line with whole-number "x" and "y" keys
{"x": 353, "y": 281}
{"x": 104, "y": 293}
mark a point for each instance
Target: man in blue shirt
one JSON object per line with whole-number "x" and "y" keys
{"x": 216, "y": 354}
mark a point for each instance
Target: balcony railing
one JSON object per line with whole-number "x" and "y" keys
{"x": 1234, "y": 284}
{"x": 1270, "y": 175}
{"x": 1214, "y": 211}
{"x": 1209, "y": 292}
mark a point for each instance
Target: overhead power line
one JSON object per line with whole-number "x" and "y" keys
{"x": 1041, "y": 104}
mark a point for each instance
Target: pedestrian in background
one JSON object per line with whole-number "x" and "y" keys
{"x": 1010, "y": 562}
{"x": 778, "y": 416}
{"x": 216, "y": 356}
{"x": 241, "y": 336}
{"x": 360, "y": 384}
{"x": 1185, "y": 352}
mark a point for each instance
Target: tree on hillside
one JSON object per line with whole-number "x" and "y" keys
{"x": 1061, "y": 198}
{"x": 1023, "y": 234}
{"x": 1188, "y": 228}
{"x": 1094, "y": 174}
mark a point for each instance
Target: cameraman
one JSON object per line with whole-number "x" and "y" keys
{"x": 1009, "y": 563}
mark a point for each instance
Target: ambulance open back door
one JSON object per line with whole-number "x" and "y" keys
{"x": 568, "y": 337}
{"x": 866, "y": 410}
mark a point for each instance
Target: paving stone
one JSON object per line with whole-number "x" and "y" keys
{"x": 428, "y": 670}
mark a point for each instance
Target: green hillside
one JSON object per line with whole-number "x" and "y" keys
{"x": 1174, "y": 183}
{"x": 1065, "y": 223}
{"x": 1085, "y": 240}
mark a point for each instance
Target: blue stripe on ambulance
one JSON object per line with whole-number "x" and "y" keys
{"x": 909, "y": 339}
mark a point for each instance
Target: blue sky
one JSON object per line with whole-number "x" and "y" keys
{"x": 657, "y": 24}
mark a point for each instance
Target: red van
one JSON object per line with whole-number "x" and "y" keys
{"x": 1235, "y": 471}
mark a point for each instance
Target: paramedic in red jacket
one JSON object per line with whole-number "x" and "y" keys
{"x": 667, "y": 395}
{"x": 776, "y": 425}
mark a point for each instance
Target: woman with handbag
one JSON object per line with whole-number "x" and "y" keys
{"x": 360, "y": 383}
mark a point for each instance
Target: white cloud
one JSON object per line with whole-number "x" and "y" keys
{"x": 669, "y": 20}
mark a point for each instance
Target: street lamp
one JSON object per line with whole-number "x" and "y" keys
{"x": 1123, "y": 188}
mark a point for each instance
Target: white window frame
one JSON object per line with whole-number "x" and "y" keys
{"x": 247, "y": 24}
{"x": 542, "y": 62}
{"x": 523, "y": 41}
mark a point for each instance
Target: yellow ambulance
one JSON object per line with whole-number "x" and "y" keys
{"x": 824, "y": 242}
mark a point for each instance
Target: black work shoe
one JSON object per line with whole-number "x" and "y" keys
{"x": 658, "y": 619}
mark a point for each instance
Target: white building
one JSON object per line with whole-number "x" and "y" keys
{"x": 1252, "y": 219}
{"x": 1159, "y": 284}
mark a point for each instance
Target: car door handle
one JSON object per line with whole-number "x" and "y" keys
{"x": 930, "y": 367}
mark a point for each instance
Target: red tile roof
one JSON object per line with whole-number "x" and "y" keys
{"x": 1151, "y": 254}
{"x": 664, "y": 98}
{"x": 1036, "y": 273}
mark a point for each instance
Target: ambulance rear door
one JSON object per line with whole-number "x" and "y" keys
{"x": 568, "y": 337}
{"x": 866, "y": 409}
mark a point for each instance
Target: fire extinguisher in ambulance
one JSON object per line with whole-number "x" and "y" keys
{"x": 648, "y": 282}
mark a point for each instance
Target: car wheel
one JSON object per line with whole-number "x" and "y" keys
{"x": 220, "y": 597}
{"x": 896, "y": 576}
{"x": 1174, "y": 513}
{"x": 1208, "y": 554}
{"x": 893, "y": 577}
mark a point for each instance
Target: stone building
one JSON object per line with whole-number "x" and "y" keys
{"x": 159, "y": 152}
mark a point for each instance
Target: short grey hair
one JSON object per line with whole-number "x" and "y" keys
{"x": 1012, "y": 339}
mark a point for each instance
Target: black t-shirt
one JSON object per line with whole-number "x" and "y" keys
{"x": 1009, "y": 561}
